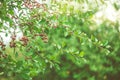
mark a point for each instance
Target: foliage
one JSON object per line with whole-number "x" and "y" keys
{"x": 57, "y": 43}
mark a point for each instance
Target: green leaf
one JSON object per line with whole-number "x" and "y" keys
{"x": 81, "y": 54}
{"x": 1, "y": 73}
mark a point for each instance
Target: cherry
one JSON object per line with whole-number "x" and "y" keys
{"x": 13, "y": 37}
{"x": 25, "y": 40}
{"x": 12, "y": 44}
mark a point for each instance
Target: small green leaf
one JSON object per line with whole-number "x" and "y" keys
{"x": 16, "y": 54}
{"x": 6, "y": 34}
{"x": 1, "y": 73}
{"x": 81, "y": 54}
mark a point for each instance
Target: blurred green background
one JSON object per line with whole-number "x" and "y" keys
{"x": 83, "y": 41}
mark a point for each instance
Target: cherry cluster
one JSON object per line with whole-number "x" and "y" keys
{"x": 13, "y": 43}
{"x": 24, "y": 40}
{"x": 2, "y": 55}
{"x": 33, "y": 4}
{"x": 2, "y": 45}
{"x": 44, "y": 37}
